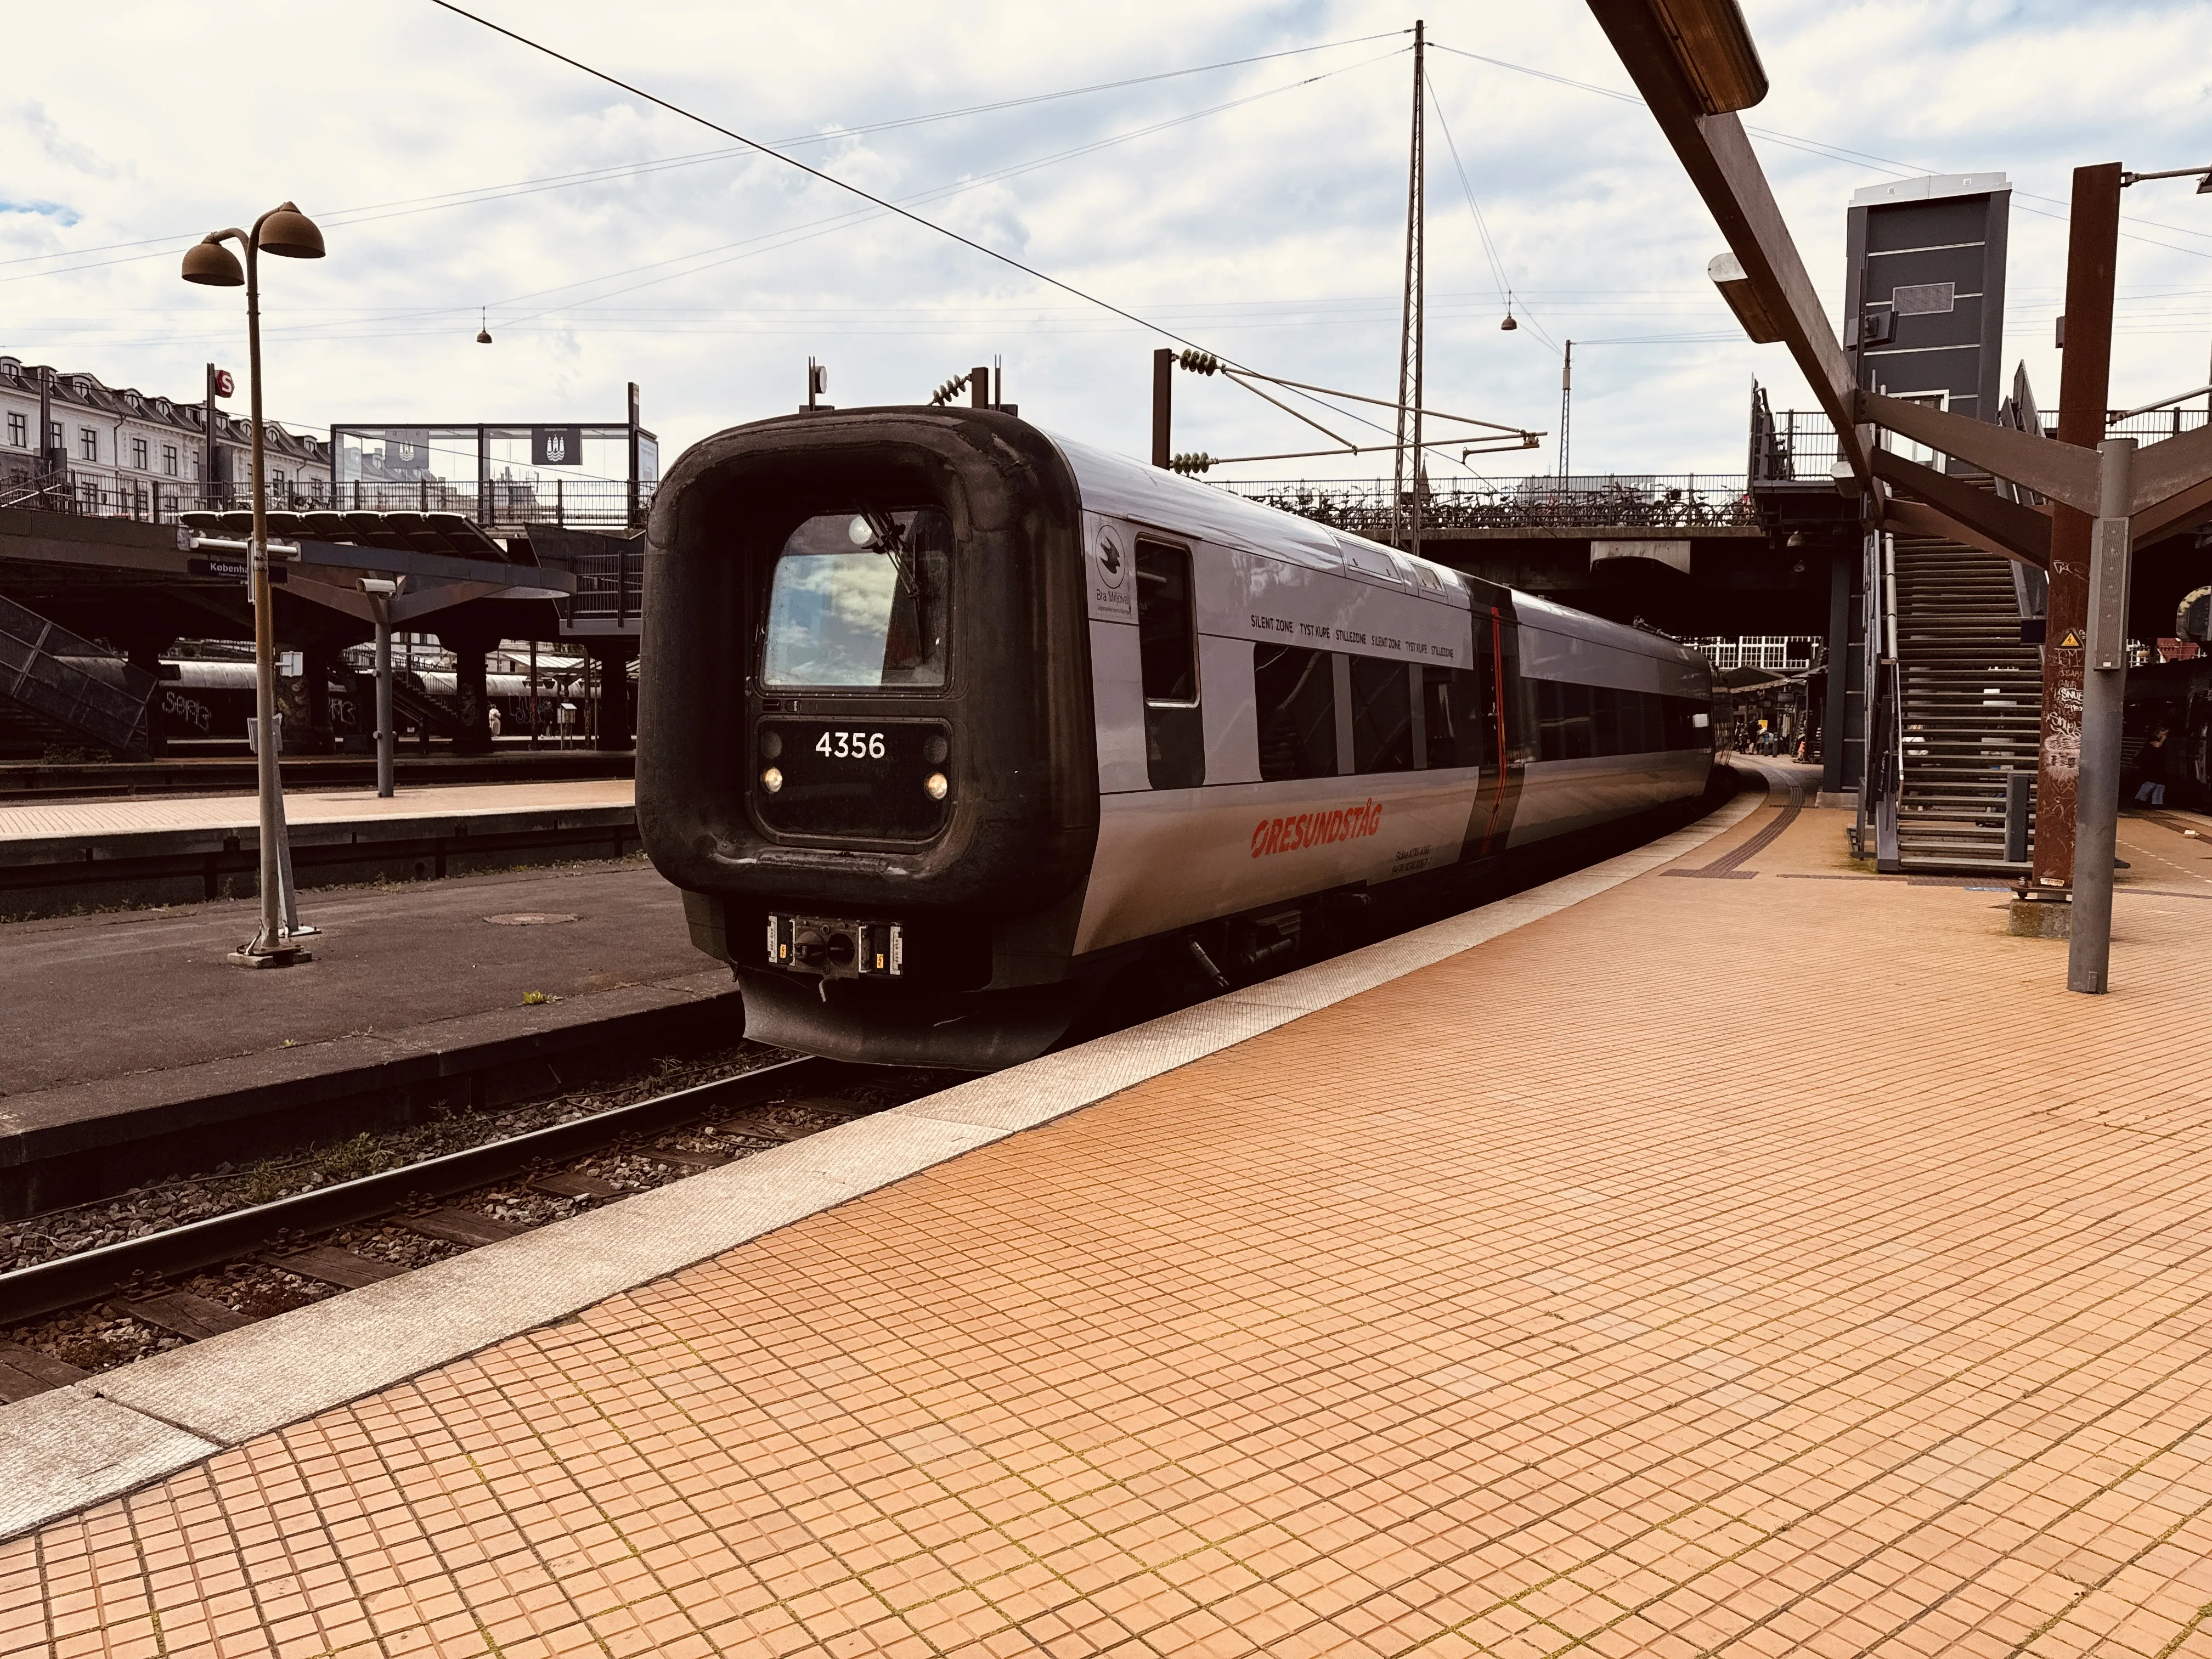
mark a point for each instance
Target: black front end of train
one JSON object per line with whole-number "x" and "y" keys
{"x": 866, "y": 749}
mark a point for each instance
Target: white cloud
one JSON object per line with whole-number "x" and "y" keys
{"x": 1271, "y": 231}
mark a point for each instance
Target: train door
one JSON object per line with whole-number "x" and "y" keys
{"x": 1504, "y": 766}
{"x": 1167, "y": 645}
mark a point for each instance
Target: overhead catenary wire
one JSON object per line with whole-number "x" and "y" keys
{"x": 907, "y": 214}
{"x": 372, "y": 211}
{"x": 811, "y": 229}
{"x": 946, "y": 231}
{"x": 1833, "y": 152}
{"x": 1482, "y": 226}
{"x": 790, "y": 235}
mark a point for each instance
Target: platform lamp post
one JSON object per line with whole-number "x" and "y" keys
{"x": 286, "y": 231}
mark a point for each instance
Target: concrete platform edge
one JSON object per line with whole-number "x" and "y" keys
{"x": 63, "y": 1119}
{"x": 62, "y": 1451}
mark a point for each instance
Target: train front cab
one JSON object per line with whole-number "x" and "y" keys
{"x": 867, "y": 677}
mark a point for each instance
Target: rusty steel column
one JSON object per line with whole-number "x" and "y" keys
{"x": 1163, "y": 403}
{"x": 2084, "y": 388}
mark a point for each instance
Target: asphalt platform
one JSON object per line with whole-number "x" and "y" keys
{"x": 112, "y": 1024}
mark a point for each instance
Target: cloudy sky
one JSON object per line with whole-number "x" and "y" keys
{"x": 1233, "y": 173}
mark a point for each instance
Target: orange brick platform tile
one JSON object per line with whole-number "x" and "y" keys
{"x": 1773, "y": 1265}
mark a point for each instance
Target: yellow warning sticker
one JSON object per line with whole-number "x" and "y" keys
{"x": 2071, "y": 640}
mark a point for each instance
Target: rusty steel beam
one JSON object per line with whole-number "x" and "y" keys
{"x": 2192, "y": 507}
{"x": 2018, "y": 532}
{"x": 1718, "y": 158}
{"x": 2058, "y": 471}
{"x": 2170, "y": 467}
{"x": 2084, "y": 390}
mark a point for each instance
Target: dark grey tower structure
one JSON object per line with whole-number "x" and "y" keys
{"x": 1924, "y": 289}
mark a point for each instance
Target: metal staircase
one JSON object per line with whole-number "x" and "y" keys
{"x": 1969, "y": 704}
{"x": 52, "y": 680}
{"x": 411, "y": 702}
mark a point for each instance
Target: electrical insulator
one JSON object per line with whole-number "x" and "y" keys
{"x": 1200, "y": 362}
{"x": 1191, "y": 464}
{"x": 951, "y": 389}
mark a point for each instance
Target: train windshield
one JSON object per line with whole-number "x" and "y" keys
{"x": 857, "y": 598}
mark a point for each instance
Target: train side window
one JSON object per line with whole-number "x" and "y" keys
{"x": 1683, "y": 731}
{"x": 1551, "y": 740}
{"x": 1381, "y": 716}
{"x": 1167, "y": 632}
{"x": 1452, "y": 716}
{"x": 1565, "y": 719}
{"x": 1629, "y": 735}
{"x": 1608, "y": 711}
{"x": 1167, "y": 651}
{"x": 1295, "y": 690}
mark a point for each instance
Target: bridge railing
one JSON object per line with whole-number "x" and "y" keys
{"x": 1682, "y": 503}
{"x": 567, "y": 503}
{"x": 582, "y": 503}
{"x": 155, "y": 500}
{"x": 1798, "y": 446}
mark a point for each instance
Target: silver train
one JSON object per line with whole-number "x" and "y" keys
{"x": 213, "y": 698}
{"x": 944, "y": 722}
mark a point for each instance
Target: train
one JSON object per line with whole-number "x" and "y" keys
{"x": 946, "y": 723}
{"x": 213, "y": 698}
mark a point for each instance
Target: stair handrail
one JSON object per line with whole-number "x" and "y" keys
{"x": 1885, "y": 767}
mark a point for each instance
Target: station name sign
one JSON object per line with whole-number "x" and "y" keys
{"x": 230, "y": 567}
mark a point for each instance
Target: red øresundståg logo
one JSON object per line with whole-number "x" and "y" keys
{"x": 1315, "y": 828}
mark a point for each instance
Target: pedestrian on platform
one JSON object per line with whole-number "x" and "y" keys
{"x": 2150, "y": 770}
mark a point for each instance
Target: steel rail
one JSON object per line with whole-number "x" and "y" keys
{"x": 65, "y": 1281}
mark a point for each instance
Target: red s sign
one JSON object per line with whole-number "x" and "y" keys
{"x": 224, "y": 386}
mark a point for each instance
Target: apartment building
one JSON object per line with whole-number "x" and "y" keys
{"x": 119, "y": 450}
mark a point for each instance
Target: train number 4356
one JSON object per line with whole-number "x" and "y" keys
{"x": 851, "y": 745}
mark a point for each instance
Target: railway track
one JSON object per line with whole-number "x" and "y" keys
{"x": 734, "y": 1117}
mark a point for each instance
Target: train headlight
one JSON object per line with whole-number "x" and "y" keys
{"x": 935, "y": 786}
{"x": 772, "y": 779}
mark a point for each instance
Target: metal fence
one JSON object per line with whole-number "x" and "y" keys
{"x": 1793, "y": 445}
{"x": 610, "y": 574}
{"x": 1798, "y": 446}
{"x": 569, "y": 503}
{"x": 2145, "y": 429}
{"x": 584, "y": 503}
{"x": 1681, "y": 502}
{"x": 151, "y": 502}
{"x": 1783, "y": 653}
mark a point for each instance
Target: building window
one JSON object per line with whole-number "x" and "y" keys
{"x": 169, "y": 459}
{"x": 19, "y": 432}
{"x": 200, "y": 466}
{"x": 54, "y": 439}
{"x": 138, "y": 453}
{"x": 87, "y": 443}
